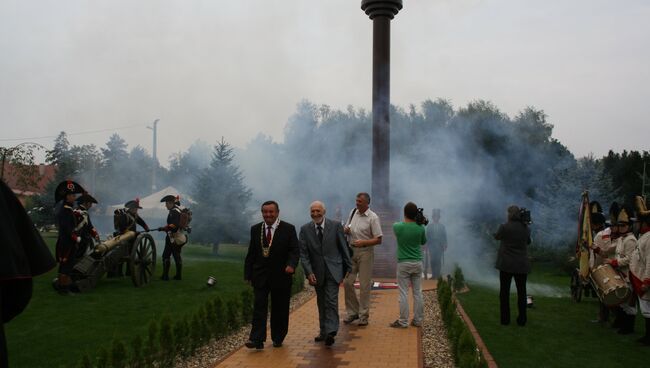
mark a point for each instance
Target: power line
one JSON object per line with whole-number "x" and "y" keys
{"x": 70, "y": 134}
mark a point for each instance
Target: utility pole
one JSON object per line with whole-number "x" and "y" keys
{"x": 155, "y": 157}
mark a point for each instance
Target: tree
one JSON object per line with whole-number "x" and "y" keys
{"x": 183, "y": 167}
{"x": 21, "y": 157}
{"x": 222, "y": 199}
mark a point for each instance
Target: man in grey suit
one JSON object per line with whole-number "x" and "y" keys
{"x": 326, "y": 261}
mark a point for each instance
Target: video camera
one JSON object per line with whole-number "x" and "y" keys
{"x": 420, "y": 218}
{"x": 524, "y": 216}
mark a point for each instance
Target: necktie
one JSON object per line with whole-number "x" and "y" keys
{"x": 320, "y": 233}
{"x": 268, "y": 235}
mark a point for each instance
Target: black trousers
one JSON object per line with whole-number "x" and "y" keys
{"x": 173, "y": 251}
{"x": 504, "y": 296}
{"x": 279, "y": 313}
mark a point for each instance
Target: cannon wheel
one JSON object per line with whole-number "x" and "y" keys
{"x": 576, "y": 286}
{"x": 143, "y": 260}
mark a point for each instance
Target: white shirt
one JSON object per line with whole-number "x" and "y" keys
{"x": 322, "y": 226}
{"x": 364, "y": 226}
{"x": 273, "y": 227}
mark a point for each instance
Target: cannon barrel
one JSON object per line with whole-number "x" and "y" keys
{"x": 109, "y": 244}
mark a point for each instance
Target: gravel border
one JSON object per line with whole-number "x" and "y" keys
{"x": 217, "y": 350}
{"x": 435, "y": 345}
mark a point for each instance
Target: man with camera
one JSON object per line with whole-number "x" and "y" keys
{"x": 512, "y": 261}
{"x": 410, "y": 235}
{"x": 437, "y": 243}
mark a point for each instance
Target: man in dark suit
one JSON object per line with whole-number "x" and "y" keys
{"x": 326, "y": 261}
{"x": 273, "y": 254}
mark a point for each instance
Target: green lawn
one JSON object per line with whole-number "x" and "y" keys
{"x": 54, "y": 331}
{"x": 559, "y": 332}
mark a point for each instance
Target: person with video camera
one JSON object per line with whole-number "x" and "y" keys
{"x": 512, "y": 261}
{"x": 410, "y": 235}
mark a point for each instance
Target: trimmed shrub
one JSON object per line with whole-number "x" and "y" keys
{"x": 102, "y": 358}
{"x": 462, "y": 342}
{"x": 465, "y": 348}
{"x": 118, "y": 354}
{"x": 211, "y": 318}
{"x": 220, "y": 329}
{"x": 137, "y": 361}
{"x": 180, "y": 337}
{"x": 298, "y": 281}
{"x": 195, "y": 333}
{"x": 232, "y": 315}
{"x": 204, "y": 330}
{"x": 84, "y": 362}
{"x": 459, "y": 279}
{"x": 151, "y": 348}
{"x": 166, "y": 338}
{"x": 247, "y": 306}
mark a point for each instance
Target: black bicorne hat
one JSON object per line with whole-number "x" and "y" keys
{"x": 133, "y": 204}
{"x": 67, "y": 187}
{"x": 170, "y": 198}
{"x": 86, "y": 198}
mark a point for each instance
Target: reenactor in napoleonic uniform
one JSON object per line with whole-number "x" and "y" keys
{"x": 174, "y": 240}
{"x": 127, "y": 219}
{"x": 67, "y": 240}
{"x": 640, "y": 266}
{"x": 84, "y": 226}
{"x": 625, "y": 245}
{"x": 132, "y": 218}
{"x": 436, "y": 243}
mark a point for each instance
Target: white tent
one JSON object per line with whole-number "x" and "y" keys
{"x": 151, "y": 205}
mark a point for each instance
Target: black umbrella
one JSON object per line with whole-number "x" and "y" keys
{"x": 66, "y": 187}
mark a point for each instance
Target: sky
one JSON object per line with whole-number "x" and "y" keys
{"x": 235, "y": 69}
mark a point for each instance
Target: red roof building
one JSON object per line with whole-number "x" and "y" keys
{"x": 34, "y": 186}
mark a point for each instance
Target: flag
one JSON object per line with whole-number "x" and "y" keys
{"x": 585, "y": 239}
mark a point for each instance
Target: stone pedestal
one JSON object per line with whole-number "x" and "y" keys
{"x": 386, "y": 253}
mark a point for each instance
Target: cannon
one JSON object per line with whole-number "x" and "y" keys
{"x": 137, "y": 250}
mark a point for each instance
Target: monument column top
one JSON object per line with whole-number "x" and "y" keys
{"x": 381, "y": 8}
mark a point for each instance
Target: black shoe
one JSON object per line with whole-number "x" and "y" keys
{"x": 177, "y": 277}
{"x": 277, "y": 344}
{"x": 351, "y": 319}
{"x": 319, "y": 338}
{"x": 329, "y": 340}
{"x": 254, "y": 345}
{"x": 164, "y": 278}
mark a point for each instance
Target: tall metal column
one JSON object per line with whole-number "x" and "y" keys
{"x": 381, "y": 12}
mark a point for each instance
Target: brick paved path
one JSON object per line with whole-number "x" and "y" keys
{"x": 375, "y": 345}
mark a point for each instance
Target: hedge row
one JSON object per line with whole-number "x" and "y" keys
{"x": 166, "y": 338}
{"x": 466, "y": 353}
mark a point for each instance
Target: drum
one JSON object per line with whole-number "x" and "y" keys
{"x": 610, "y": 285}
{"x": 179, "y": 238}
